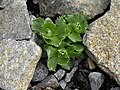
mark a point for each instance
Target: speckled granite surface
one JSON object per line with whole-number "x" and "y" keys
{"x": 89, "y": 7}
{"x": 103, "y": 40}
{"x": 18, "y": 60}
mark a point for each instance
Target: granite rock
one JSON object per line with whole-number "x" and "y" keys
{"x": 96, "y": 80}
{"x": 89, "y": 7}
{"x": 15, "y": 21}
{"x": 60, "y": 74}
{"x": 70, "y": 75}
{"x": 103, "y": 41}
{"x": 40, "y": 73}
{"x": 115, "y": 88}
{"x": 63, "y": 84}
{"x": 18, "y": 60}
{"x": 4, "y": 3}
{"x": 49, "y": 81}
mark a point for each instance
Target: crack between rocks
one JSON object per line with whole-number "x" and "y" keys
{"x": 22, "y": 40}
{"x": 100, "y": 15}
{"x": 1, "y": 8}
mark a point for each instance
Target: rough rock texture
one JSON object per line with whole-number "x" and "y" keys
{"x": 63, "y": 84}
{"x": 17, "y": 63}
{"x": 50, "y": 81}
{"x": 103, "y": 40}
{"x": 89, "y": 7}
{"x": 40, "y": 73}
{"x": 96, "y": 80}
{"x": 14, "y": 21}
{"x": 115, "y": 88}
{"x": 70, "y": 75}
{"x": 4, "y": 3}
{"x": 60, "y": 74}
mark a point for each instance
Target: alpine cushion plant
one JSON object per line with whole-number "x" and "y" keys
{"x": 62, "y": 38}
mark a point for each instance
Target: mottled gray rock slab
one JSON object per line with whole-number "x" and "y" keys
{"x": 103, "y": 40}
{"x": 89, "y": 7}
{"x": 18, "y": 60}
{"x": 63, "y": 84}
{"x": 70, "y": 75}
{"x": 115, "y": 88}
{"x": 50, "y": 81}
{"x": 96, "y": 80}
{"x": 14, "y": 21}
{"x": 4, "y": 3}
{"x": 60, "y": 74}
{"x": 40, "y": 73}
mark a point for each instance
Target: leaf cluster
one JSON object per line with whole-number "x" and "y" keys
{"x": 62, "y": 38}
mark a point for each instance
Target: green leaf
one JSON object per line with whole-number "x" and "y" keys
{"x": 60, "y": 30}
{"x": 83, "y": 23}
{"x": 77, "y": 27}
{"x": 52, "y": 58}
{"x": 62, "y": 53}
{"x": 78, "y": 47}
{"x": 52, "y": 63}
{"x": 49, "y": 24}
{"x": 52, "y": 41}
{"x": 65, "y": 63}
{"x": 69, "y": 29}
{"x": 73, "y": 18}
{"x": 37, "y": 24}
{"x": 75, "y": 49}
{"x": 75, "y": 37}
{"x": 51, "y": 52}
{"x": 78, "y": 18}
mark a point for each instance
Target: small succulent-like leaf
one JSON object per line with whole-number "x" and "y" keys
{"x": 37, "y": 24}
{"x": 60, "y": 30}
{"x": 49, "y": 24}
{"x": 52, "y": 63}
{"x": 62, "y": 53}
{"x": 83, "y": 23}
{"x": 52, "y": 41}
{"x": 52, "y": 58}
{"x": 51, "y": 52}
{"x": 65, "y": 63}
{"x": 75, "y": 49}
{"x": 75, "y": 37}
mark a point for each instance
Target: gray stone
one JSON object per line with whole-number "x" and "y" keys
{"x": 63, "y": 84}
{"x": 96, "y": 80}
{"x": 15, "y": 21}
{"x": 49, "y": 81}
{"x": 115, "y": 88}
{"x": 103, "y": 41}
{"x": 18, "y": 60}
{"x": 70, "y": 75}
{"x": 67, "y": 88}
{"x": 59, "y": 74}
{"x": 36, "y": 88}
{"x": 4, "y": 3}
{"x": 35, "y": 1}
{"x": 89, "y": 7}
{"x": 75, "y": 61}
{"x": 40, "y": 73}
{"x": 91, "y": 64}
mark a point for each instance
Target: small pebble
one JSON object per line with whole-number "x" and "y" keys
{"x": 62, "y": 83}
{"x": 70, "y": 75}
{"x": 96, "y": 80}
{"x": 59, "y": 74}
